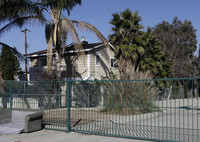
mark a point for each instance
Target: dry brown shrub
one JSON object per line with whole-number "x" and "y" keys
{"x": 127, "y": 97}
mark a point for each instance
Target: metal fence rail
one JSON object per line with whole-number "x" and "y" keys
{"x": 160, "y": 110}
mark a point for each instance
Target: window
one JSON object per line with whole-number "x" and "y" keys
{"x": 98, "y": 60}
{"x": 112, "y": 61}
{"x": 43, "y": 62}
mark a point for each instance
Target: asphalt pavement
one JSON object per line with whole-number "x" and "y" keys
{"x": 59, "y": 136}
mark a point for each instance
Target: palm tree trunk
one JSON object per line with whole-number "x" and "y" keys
{"x": 58, "y": 76}
{"x": 58, "y": 64}
{"x": 1, "y": 78}
{"x": 49, "y": 57}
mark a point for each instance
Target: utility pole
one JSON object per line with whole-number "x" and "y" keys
{"x": 26, "y": 71}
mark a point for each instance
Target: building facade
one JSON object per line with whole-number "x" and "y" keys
{"x": 96, "y": 62}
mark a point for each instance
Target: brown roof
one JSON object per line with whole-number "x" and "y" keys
{"x": 68, "y": 48}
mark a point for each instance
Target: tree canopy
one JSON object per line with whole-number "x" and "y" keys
{"x": 9, "y": 63}
{"x": 178, "y": 39}
{"x": 134, "y": 48}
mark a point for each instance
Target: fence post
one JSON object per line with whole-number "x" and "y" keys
{"x": 68, "y": 105}
{"x": 11, "y": 99}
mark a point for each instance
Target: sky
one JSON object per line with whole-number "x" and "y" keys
{"x": 99, "y": 13}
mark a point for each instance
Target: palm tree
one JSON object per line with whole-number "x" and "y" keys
{"x": 58, "y": 28}
{"x": 137, "y": 50}
{"x": 127, "y": 39}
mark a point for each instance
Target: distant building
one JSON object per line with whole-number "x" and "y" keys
{"x": 96, "y": 63}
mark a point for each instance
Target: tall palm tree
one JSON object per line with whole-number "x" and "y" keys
{"x": 136, "y": 49}
{"x": 58, "y": 28}
{"x": 127, "y": 39}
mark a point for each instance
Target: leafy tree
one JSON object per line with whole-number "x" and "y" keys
{"x": 196, "y": 70}
{"x": 14, "y": 51}
{"x": 9, "y": 63}
{"x": 153, "y": 60}
{"x": 135, "y": 49}
{"x": 178, "y": 39}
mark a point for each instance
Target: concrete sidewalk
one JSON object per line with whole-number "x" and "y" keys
{"x": 58, "y": 136}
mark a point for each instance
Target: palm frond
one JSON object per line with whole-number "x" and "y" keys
{"x": 62, "y": 4}
{"x": 67, "y": 26}
{"x": 86, "y": 26}
{"x": 20, "y": 22}
{"x": 14, "y": 9}
{"x": 17, "y": 53}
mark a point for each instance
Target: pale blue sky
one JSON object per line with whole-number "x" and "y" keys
{"x": 99, "y": 13}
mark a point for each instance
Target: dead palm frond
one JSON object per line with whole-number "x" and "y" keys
{"x": 68, "y": 28}
{"x": 88, "y": 27}
{"x": 54, "y": 33}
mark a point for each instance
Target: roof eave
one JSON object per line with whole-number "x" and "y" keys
{"x": 72, "y": 51}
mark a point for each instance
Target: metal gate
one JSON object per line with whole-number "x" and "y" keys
{"x": 49, "y": 96}
{"x": 159, "y": 109}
